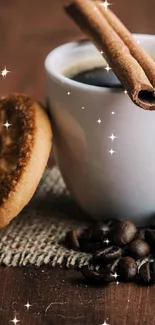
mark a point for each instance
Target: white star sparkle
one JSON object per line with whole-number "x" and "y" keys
{"x": 101, "y": 52}
{"x": 82, "y": 107}
{"x": 112, "y": 137}
{"x": 107, "y": 241}
{"x": 4, "y": 72}
{"x": 7, "y": 124}
{"x": 28, "y": 306}
{"x": 125, "y": 92}
{"x": 111, "y": 152}
{"x": 107, "y": 68}
{"x": 115, "y": 275}
{"x": 113, "y": 113}
{"x": 15, "y": 320}
{"x": 105, "y": 4}
{"x": 99, "y": 121}
{"x": 68, "y": 93}
{"x": 117, "y": 283}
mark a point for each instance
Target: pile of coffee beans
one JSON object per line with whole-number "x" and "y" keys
{"x": 119, "y": 252}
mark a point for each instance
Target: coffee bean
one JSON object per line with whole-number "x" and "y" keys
{"x": 123, "y": 232}
{"x": 92, "y": 238}
{"x": 71, "y": 240}
{"x": 138, "y": 249}
{"x": 150, "y": 237}
{"x": 101, "y": 276}
{"x": 107, "y": 255}
{"x": 140, "y": 234}
{"x": 127, "y": 268}
{"x": 90, "y": 247}
{"x": 147, "y": 273}
{"x": 96, "y": 232}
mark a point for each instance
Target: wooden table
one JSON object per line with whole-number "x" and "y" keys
{"x": 28, "y": 31}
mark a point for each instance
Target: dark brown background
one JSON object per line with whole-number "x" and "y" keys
{"x": 29, "y": 29}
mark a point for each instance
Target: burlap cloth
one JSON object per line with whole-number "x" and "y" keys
{"x": 35, "y": 236}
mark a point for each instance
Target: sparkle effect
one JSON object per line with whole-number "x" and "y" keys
{"x": 115, "y": 275}
{"x": 28, "y": 306}
{"x": 107, "y": 241}
{"x": 99, "y": 121}
{"x": 7, "y": 125}
{"x": 4, "y": 72}
{"x": 117, "y": 283}
{"x": 111, "y": 152}
{"x": 101, "y": 52}
{"x": 105, "y": 4}
{"x": 113, "y": 113}
{"x": 68, "y": 93}
{"x": 125, "y": 92}
{"x": 82, "y": 107}
{"x": 112, "y": 137}
{"x": 15, "y": 320}
{"x": 107, "y": 68}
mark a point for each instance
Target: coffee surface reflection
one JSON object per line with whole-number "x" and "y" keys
{"x": 98, "y": 77}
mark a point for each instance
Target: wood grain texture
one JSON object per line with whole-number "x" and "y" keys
{"x": 28, "y": 31}
{"x": 62, "y": 297}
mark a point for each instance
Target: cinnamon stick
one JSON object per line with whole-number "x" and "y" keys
{"x": 143, "y": 58}
{"x": 99, "y": 28}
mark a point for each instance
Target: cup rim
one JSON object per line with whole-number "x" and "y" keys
{"x": 62, "y": 79}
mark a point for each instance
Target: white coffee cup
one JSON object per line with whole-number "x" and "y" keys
{"x": 118, "y": 182}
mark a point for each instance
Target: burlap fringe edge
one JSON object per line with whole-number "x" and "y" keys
{"x": 66, "y": 259}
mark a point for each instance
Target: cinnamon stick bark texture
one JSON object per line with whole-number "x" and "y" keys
{"x": 146, "y": 62}
{"x": 91, "y": 19}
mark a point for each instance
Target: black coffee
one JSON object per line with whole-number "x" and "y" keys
{"x": 98, "y": 77}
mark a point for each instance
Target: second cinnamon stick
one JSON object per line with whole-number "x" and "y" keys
{"x": 132, "y": 76}
{"x": 142, "y": 57}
